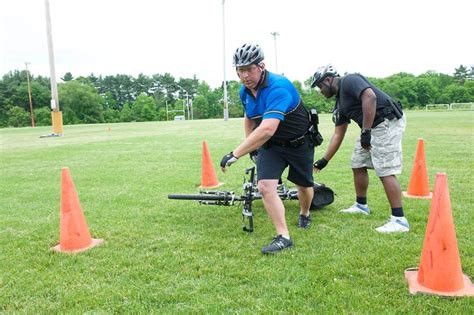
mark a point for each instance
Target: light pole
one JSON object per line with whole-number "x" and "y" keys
{"x": 56, "y": 115}
{"x": 191, "y": 108}
{"x": 226, "y": 105}
{"x": 29, "y": 96}
{"x": 275, "y": 34}
{"x": 187, "y": 106}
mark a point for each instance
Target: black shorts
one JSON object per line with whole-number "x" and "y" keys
{"x": 273, "y": 161}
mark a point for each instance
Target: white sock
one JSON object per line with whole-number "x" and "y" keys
{"x": 285, "y": 236}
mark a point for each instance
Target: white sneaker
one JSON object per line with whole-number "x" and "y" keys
{"x": 357, "y": 208}
{"x": 395, "y": 224}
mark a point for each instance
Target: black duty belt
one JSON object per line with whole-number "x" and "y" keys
{"x": 383, "y": 113}
{"x": 293, "y": 143}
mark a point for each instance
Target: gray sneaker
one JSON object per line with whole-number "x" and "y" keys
{"x": 394, "y": 224}
{"x": 304, "y": 222}
{"x": 278, "y": 243}
{"x": 357, "y": 208}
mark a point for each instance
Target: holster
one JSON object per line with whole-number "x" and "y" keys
{"x": 314, "y": 134}
{"x": 390, "y": 112}
{"x": 396, "y": 108}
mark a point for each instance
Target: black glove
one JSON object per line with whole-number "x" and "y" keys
{"x": 320, "y": 164}
{"x": 228, "y": 160}
{"x": 365, "y": 139}
{"x": 254, "y": 156}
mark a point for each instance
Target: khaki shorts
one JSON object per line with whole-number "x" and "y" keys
{"x": 386, "y": 153}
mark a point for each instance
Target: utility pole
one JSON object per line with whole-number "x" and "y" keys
{"x": 226, "y": 105}
{"x": 275, "y": 34}
{"x": 29, "y": 96}
{"x": 56, "y": 115}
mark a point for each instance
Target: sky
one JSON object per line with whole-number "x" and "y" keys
{"x": 185, "y": 37}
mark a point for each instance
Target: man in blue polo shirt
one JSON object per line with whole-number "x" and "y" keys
{"x": 275, "y": 125}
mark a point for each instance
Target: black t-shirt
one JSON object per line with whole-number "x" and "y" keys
{"x": 348, "y": 101}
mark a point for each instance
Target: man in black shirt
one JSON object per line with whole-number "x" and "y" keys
{"x": 379, "y": 147}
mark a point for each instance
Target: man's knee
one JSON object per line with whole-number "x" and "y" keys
{"x": 359, "y": 170}
{"x": 266, "y": 187}
{"x": 389, "y": 179}
{"x": 305, "y": 190}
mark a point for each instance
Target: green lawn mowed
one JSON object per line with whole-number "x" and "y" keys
{"x": 167, "y": 256}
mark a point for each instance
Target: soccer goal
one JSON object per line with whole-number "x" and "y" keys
{"x": 461, "y": 106}
{"x": 437, "y": 107}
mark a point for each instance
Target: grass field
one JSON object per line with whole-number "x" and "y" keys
{"x": 171, "y": 256}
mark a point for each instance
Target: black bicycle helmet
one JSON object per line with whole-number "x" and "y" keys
{"x": 322, "y": 73}
{"x": 248, "y": 54}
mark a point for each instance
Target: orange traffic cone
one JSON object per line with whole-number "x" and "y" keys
{"x": 74, "y": 234}
{"x": 419, "y": 186}
{"x": 208, "y": 176}
{"x": 440, "y": 270}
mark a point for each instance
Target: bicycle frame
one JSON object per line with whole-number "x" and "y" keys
{"x": 229, "y": 198}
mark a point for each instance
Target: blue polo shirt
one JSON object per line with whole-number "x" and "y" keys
{"x": 277, "y": 98}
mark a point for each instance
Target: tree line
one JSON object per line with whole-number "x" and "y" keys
{"x": 124, "y": 98}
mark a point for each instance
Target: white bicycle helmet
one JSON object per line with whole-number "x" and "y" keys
{"x": 248, "y": 54}
{"x": 322, "y": 73}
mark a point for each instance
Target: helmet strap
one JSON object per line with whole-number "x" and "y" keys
{"x": 333, "y": 86}
{"x": 262, "y": 76}
{"x": 330, "y": 86}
